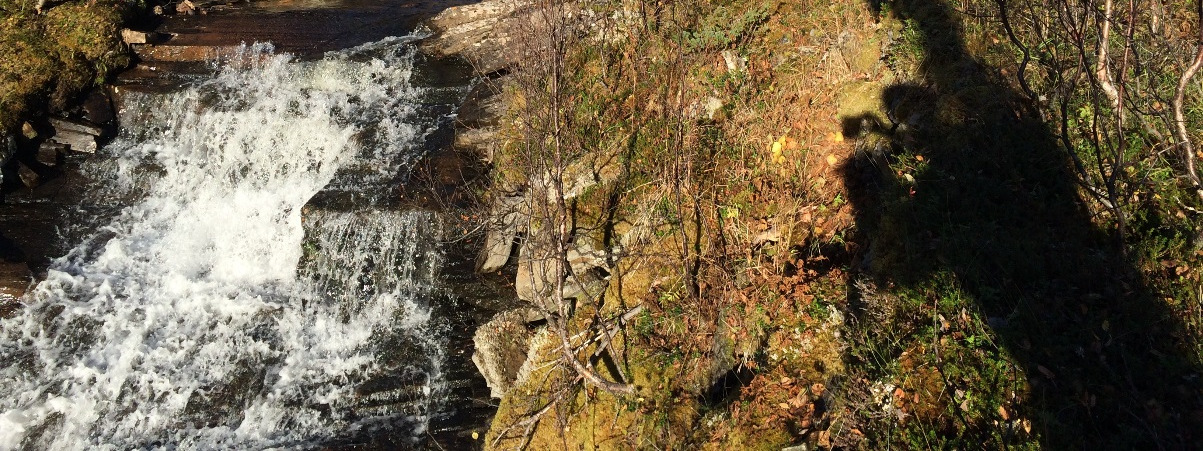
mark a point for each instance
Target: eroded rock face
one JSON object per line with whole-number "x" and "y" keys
{"x": 501, "y": 348}
{"x": 481, "y": 32}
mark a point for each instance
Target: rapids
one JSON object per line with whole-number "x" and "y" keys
{"x": 213, "y": 308}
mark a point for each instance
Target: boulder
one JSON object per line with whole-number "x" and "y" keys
{"x": 502, "y": 345}
{"x": 142, "y": 37}
{"x": 28, "y": 131}
{"x": 507, "y": 219}
{"x": 78, "y": 126}
{"x": 98, "y": 107}
{"x": 535, "y": 282}
{"x": 28, "y": 176}
{"x": 48, "y": 153}
{"x": 478, "y": 118}
{"x": 481, "y": 32}
{"x": 76, "y": 141}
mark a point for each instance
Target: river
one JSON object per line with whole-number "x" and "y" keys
{"x": 247, "y": 278}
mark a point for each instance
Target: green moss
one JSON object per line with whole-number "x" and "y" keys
{"x": 48, "y": 59}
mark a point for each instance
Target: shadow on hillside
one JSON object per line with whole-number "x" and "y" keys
{"x": 994, "y": 207}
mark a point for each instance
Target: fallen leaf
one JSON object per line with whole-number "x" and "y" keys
{"x": 783, "y": 406}
{"x": 832, "y": 160}
{"x": 918, "y": 157}
{"x": 817, "y": 389}
{"x": 1003, "y": 413}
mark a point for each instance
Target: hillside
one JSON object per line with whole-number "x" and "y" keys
{"x": 915, "y": 224}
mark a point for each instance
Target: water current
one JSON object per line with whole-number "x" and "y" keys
{"x": 213, "y": 308}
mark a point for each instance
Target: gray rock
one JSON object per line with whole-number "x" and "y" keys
{"x": 506, "y": 221}
{"x": 735, "y": 63}
{"x": 48, "y": 153}
{"x": 76, "y": 141}
{"x": 481, "y": 32}
{"x": 60, "y": 125}
{"x": 535, "y": 281}
{"x": 28, "y": 176}
{"x": 502, "y": 345}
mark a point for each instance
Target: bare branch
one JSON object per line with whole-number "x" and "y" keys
{"x": 1180, "y": 132}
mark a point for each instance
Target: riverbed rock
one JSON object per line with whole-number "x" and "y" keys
{"x": 15, "y": 278}
{"x": 76, "y": 141}
{"x": 28, "y": 176}
{"x": 49, "y": 152}
{"x": 501, "y": 348}
{"x": 142, "y": 37}
{"x": 481, "y": 32}
{"x": 185, "y": 53}
{"x": 79, "y": 126}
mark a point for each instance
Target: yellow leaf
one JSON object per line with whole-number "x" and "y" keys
{"x": 832, "y": 160}
{"x": 837, "y": 137}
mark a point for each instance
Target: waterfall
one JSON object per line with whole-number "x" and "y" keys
{"x": 210, "y": 311}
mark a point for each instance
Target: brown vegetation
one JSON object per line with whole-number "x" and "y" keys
{"x": 857, "y": 225}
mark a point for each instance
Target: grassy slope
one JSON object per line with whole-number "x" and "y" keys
{"x": 814, "y": 273}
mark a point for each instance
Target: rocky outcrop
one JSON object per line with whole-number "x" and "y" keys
{"x": 501, "y": 348}
{"x": 586, "y": 276}
{"x": 506, "y": 221}
{"x": 481, "y": 32}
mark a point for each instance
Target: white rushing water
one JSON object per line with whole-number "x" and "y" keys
{"x": 202, "y": 316}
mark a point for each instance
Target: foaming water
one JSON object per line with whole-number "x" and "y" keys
{"x": 202, "y": 315}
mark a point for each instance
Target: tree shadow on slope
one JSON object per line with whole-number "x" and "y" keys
{"x": 968, "y": 192}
